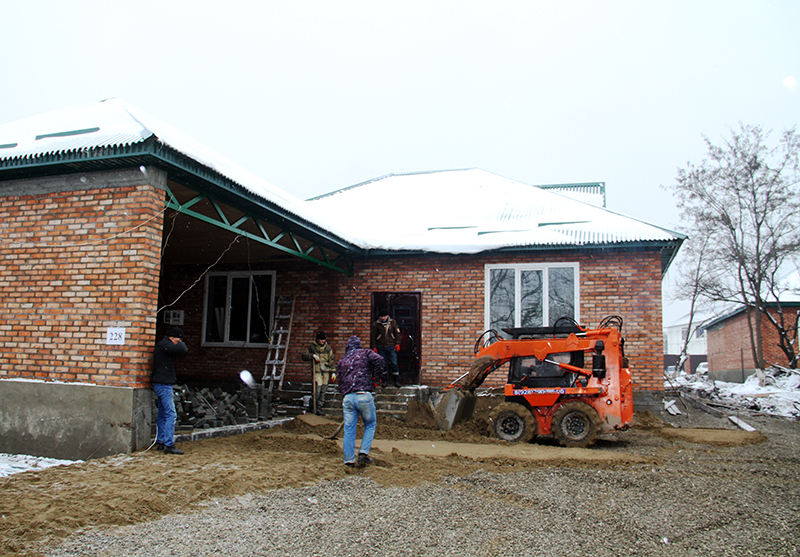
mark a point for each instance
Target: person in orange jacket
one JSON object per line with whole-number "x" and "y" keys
{"x": 386, "y": 340}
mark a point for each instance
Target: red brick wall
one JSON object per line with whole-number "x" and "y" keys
{"x": 70, "y": 266}
{"x": 772, "y": 352}
{"x": 452, "y": 288}
{"x": 729, "y": 346}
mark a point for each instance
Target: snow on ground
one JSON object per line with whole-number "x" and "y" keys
{"x": 15, "y": 463}
{"x": 778, "y": 394}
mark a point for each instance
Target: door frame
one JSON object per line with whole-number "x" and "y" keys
{"x": 409, "y": 359}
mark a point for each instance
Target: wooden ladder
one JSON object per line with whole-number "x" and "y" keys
{"x": 277, "y": 352}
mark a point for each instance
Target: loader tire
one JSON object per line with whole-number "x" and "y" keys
{"x": 576, "y": 424}
{"x": 513, "y": 422}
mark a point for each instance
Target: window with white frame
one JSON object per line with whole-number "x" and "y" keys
{"x": 238, "y": 308}
{"x": 530, "y": 295}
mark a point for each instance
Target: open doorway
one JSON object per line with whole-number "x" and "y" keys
{"x": 406, "y": 309}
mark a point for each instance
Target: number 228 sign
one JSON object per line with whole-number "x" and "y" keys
{"x": 115, "y": 335}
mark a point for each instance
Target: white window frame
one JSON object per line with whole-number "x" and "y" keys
{"x": 518, "y": 268}
{"x": 230, "y": 276}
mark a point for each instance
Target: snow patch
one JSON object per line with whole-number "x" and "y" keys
{"x": 16, "y": 463}
{"x": 778, "y": 395}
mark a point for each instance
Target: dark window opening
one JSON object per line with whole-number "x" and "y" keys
{"x": 238, "y": 308}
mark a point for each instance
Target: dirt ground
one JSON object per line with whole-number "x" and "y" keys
{"x": 42, "y": 507}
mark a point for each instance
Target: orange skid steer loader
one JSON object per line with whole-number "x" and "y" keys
{"x": 549, "y": 390}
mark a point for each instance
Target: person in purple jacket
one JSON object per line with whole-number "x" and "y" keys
{"x": 357, "y": 373}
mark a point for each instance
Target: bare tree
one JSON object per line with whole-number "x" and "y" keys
{"x": 743, "y": 201}
{"x": 689, "y": 287}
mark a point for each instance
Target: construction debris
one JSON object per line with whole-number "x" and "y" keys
{"x": 206, "y": 408}
{"x": 780, "y": 397}
{"x": 741, "y": 424}
{"x": 700, "y": 405}
{"x": 671, "y": 407}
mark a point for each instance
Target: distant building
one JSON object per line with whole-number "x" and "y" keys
{"x": 675, "y": 335}
{"x": 730, "y": 357}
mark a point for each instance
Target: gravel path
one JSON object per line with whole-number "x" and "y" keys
{"x": 698, "y": 500}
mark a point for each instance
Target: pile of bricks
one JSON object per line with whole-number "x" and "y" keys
{"x": 206, "y": 407}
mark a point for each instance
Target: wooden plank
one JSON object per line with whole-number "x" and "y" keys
{"x": 741, "y": 424}
{"x": 704, "y": 407}
{"x": 669, "y": 406}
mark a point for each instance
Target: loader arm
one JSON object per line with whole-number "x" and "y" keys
{"x": 493, "y": 356}
{"x": 480, "y": 369}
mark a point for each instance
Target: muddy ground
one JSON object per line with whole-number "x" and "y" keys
{"x": 38, "y": 509}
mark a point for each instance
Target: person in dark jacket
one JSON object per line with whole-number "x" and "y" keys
{"x": 166, "y": 350}
{"x": 386, "y": 339}
{"x": 356, "y": 374}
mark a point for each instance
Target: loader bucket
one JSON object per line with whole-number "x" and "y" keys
{"x": 452, "y": 406}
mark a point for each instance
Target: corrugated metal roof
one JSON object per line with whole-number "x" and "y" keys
{"x": 49, "y": 146}
{"x": 459, "y": 211}
{"x": 103, "y": 124}
{"x": 113, "y": 123}
{"x": 469, "y": 211}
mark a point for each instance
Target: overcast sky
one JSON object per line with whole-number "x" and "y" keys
{"x": 316, "y": 96}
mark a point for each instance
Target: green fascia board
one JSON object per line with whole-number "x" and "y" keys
{"x": 668, "y": 249}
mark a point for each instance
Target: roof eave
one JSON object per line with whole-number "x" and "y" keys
{"x": 153, "y": 152}
{"x": 668, "y": 248}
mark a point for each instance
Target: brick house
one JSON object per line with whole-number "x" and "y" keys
{"x": 115, "y": 225}
{"x": 730, "y": 357}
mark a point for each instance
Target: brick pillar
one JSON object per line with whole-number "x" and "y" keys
{"x": 80, "y": 255}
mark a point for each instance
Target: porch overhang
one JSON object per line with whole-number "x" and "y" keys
{"x": 318, "y": 245}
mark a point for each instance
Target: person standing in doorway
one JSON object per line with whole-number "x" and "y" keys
{"x": 386, "y": 339}
{"x": 357, "y": 373}
{"x": 166, "y": 350}
{"x": 323, "y": 366}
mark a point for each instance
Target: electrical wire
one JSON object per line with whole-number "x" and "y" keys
{"x": 171, "y": 229}
{"x": 89, "y": 243}
{"x": 236, "y": 239}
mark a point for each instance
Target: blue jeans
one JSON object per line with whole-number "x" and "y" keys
{"x": 388, "y": 354}
{"x": 353, "y": 405}
{"x": 166, "y": 414}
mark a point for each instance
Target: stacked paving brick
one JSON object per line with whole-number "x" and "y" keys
{"x": 207, "y": 408}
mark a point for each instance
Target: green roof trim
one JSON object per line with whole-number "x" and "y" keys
{"x": 68, "y": 133}
{"x": 668, "y": 249}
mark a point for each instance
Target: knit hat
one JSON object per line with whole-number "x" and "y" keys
{"x": 175, "y": 332}
{"x": 321, "y": 336}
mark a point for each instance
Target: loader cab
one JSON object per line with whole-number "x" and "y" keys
{"x": 529, "y": 371}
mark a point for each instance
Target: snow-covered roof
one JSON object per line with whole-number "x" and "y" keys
{"x": 113, "y": 123}
{"x": 700, "y": 317}
{"x": 459, "y": 211}
{"x": 593, "y": 193}
{"x": 470, "y": 211}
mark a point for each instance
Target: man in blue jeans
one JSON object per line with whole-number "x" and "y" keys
{"x": 164, "y": 378}
{"x": 357, "y": 374}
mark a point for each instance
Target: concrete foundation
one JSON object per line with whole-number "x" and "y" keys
{"x": 731, "y": 375}
{"x": 72, "y": 421}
